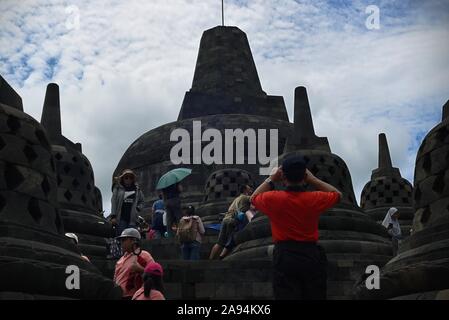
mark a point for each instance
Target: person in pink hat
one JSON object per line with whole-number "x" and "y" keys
{"x": 152, "y": 288}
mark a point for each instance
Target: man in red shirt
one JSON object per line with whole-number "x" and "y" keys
{"x": 299, "y": 263}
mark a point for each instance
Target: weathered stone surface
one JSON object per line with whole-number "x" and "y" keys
{"x": 77, "y": 195}
{"x": 388, "y": 189}
{"x": 421, "y": 268}
{"x": 8, "y": 96}
{"x": 34, "y": 253}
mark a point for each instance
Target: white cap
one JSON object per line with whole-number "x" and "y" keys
{"x": 72, "y": 236}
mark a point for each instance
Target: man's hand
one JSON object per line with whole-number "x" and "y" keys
{"x": 309, "y": 177}
{"x": 136, "y": 267}
{"x": 276, "y": 174}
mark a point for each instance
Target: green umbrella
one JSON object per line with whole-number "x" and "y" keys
{"x": 172, "y": 177}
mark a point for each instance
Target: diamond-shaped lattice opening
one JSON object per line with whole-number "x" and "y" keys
{"x": 82, "y": 172}
{"x": 13, "y": 123}
{"x": 387, "y": 187}
{"x": 58, "y": 156}
{"x": 45, "y": 185}
{"x": 59, "y": 180}
{"x": 331, "y": 170}
{"x": 2, "y": 203}
{"x": 438, "y": 184}
{"x": 418, "y": 194}
{"x": 426, "y": 215}
{"x": 88, "y": 187}
{"x": 405, "y": 200}
{"x": 219, "y": 180}
{"x": 83, "y": 198}
{"x": 86, "y": 163}
{"x": 66, "y": 168}
{"x": 225, "y": 187}
{"x": 322, "y": 160}
{"x": 30, "y": 154}
{"x": 395, "y": 193}
{"x": 427, "y": 163}
{"x": 233, "y": 193}
{"x": 68, "y": 195}
{"x": 2, "y": 143}
{"x": 374, "y": 202}
{"x": 389, "y": 200}
{"x": 35, "y": 210}
{"x": 217, "y": 195}
{"x": 75, "y": 159}
{"x": 42, "y": 138}
{"x": 57, "y": 220}
{"x": 75, "y": 183}
{"x": 13, "y": 177}
{"x": 442, "y": 134}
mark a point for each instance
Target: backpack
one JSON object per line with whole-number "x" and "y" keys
{"x": 187, "y": 230}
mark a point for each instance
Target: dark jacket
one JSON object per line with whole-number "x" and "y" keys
{"x": 118, "y": 195}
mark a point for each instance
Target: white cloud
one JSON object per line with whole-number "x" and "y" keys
{"x": 127, "y": 67}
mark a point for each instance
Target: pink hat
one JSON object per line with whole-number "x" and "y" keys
{"x": 154, "y": 268}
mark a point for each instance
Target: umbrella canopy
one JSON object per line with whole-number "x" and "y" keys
{"x": 172, "y": 177}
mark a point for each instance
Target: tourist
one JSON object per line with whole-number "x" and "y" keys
{"x": 172, "y": 201}
{"x": 391, "y": 222}
{"x": 153, "y": 287}
{"x": 127, "y": 201}
{"x": 299, "y": 263}
{"x": 130, "y": 266}
{"x": 157, "y": 218}
{"x": 74, "y": 238}
{"x": 189, "y": 232}
{"x": 243, "y": 218}
{"x": 240, "y": 204}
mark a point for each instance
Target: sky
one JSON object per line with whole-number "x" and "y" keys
{"x": 123, "y": 68}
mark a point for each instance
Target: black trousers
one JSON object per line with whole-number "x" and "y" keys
{"x": 300, "y": 271}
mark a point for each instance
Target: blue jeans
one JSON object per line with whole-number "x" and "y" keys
{"x": 191, "y": 250}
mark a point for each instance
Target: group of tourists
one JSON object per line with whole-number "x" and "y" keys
{"x": 299, "y": 263}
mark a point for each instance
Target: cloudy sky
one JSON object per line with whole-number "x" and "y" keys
{"x": 123, "y": 67}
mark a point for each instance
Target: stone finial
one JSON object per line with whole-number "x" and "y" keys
{"x": 303, "y": 136}
{"x": 8, "y": 96}
{"x": 225, "y": 64}
{"x": 384, "y": 153}
{"x": 446, "y": 111}
{"x": 385, "y": 166}
{"x": 51, "y": 113}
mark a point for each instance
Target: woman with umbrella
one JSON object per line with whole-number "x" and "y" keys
{"x": 171, "y": 191}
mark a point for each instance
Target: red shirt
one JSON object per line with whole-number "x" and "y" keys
{"x": 295, "y": 215}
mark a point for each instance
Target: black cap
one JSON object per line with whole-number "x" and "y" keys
{"x": 294, "y": 168}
